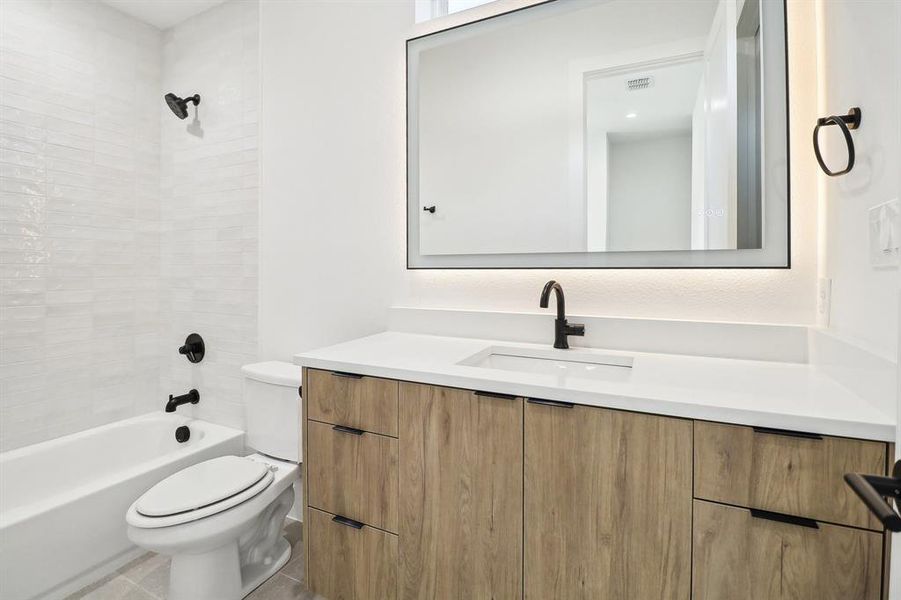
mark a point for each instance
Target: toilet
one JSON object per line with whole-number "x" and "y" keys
{"x": 221, "y": 520}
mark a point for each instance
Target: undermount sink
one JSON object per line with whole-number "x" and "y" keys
{"x": 562, "y": 363}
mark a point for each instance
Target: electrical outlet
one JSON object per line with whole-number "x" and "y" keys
{"x": 824, "y": 301}
{"x": 884, "y": 234}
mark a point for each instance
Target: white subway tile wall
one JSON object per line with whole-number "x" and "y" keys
{"x": 79, "y": 219}
{"x": 210, "y": 205}
{"x": 120, "y": 230}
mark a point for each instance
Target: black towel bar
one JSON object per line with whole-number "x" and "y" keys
{"x": 874, "y": 489}
{"x": 845, "y": 123}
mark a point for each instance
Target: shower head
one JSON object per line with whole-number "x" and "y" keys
{"x": 179, "y": 106}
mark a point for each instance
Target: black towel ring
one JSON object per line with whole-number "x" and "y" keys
{"x": 845, "y": 123}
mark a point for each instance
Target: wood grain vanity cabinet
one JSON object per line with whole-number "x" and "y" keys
{"x": 422, "y": 492}
{"x": 740, "y": 556}
{"x": 607, "y": 504}
{"x": 783, "y": 471}
{"x": 461, "y": 499}
{"x": 774, "y": 520}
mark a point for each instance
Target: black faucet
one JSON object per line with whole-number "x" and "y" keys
{"x": 175, "y": 401}
{"x": 562, "y": 329}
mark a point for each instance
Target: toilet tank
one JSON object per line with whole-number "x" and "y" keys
{"x": 272, "y": 409}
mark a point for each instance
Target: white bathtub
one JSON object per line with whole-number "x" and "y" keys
{"x": 63, "y": 502}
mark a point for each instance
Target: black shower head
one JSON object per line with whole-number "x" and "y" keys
{"x": 180, "y": 105}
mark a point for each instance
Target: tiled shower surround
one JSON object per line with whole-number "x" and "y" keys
{"x": 120, "y": 230}
{"x": 210, "y": 205}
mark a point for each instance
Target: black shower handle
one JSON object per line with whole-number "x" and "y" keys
{"x": 845, "y": 123}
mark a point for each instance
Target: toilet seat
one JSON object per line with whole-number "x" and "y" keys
{"x": 199, "y": 491}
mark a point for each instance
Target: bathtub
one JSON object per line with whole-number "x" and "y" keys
{"x": 63, "y": 502}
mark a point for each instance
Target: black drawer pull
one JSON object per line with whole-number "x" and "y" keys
{"x": 790, "y": 519}
{"x": 350, "y": 430}
{"x": 346, "y": 521}
{"x": 788, "y": 433}
{"x": 347, "y": 375}
{"x": 556, "y": 403}
{"x": 495, "y": 395}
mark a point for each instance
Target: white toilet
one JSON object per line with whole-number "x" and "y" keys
{"x": 221, "y": 520}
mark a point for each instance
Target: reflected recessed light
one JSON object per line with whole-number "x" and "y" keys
{"x": 631, "y": 115}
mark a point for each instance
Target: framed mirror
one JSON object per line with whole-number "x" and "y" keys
{"x": 601, "y": 134}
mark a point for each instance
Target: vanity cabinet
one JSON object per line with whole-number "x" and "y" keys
{"x": 607, "y": 504}
{"x": 786, "y": 472}
{"x": 742, "y": 554}
{"x": 349, "y": 562}
{"x": 423, "y": 492}
{"x": 461, "y": 494}
{"x": 774, "y": 520}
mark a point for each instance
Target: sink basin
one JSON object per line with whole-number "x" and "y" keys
{"x": 565, "y": 364}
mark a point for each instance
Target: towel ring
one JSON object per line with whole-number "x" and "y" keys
{"x": 845, "y": 123}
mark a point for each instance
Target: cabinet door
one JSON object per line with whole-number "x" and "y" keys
{"x": 350, "y": 562}
{"x": 607, "y": 504}
{"x": 742, "y": 557}
{"x": 460, "y": 459}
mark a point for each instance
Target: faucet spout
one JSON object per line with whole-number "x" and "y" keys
{"x": 546, "y": 295}
{"x": 192, "y": 397}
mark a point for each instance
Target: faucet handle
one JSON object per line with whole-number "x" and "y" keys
{"x": 576, "y": 329}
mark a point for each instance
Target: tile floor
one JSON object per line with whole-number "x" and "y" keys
{"x": 147, "y": 578}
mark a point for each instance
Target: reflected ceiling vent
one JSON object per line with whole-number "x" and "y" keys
{"x": 639, "y": 83}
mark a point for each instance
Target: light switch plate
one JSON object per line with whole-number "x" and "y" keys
{"x": 884, "y": 234}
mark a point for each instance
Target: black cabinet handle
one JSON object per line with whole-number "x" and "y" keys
{"x": 873, "y": 489}
{"x": 781, "y": 518}
{"x": 556, "y": 403}
{"x": 350, "y": 430}
{"x": 347, "y": 522}
{"x": 788, "y": 433}
{"x": 496, "y": 395}
{"x": 347, "y": 375}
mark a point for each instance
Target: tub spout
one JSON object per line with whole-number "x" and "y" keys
{"x": 175, "y": 401}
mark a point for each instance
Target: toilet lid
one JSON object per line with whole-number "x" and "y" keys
{"x": 201, "y": 485}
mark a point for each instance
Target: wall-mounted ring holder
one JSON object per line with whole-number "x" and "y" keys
{"x": 846, "y": 123}
{"x": 194, "y": 348}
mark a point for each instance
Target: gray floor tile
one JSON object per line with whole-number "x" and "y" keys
{"x": 117, "y": 588}
{"x": 147, "y": 578}
{"x": 280, "y": 587}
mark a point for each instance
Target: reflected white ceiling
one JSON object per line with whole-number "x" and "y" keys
{"x": 162, "y": 14}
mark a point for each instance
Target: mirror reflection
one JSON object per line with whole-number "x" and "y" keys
{"x": 581, "y": 127}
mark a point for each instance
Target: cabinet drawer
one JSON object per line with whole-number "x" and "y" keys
{"x": 742, "y": 557}
{"x": 350, "y": 562}
{"x": 784, "y": 473}
{"x": 353, "y": 474}
{"x": 366, "y": 403}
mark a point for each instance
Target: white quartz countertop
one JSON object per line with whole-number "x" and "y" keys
{"x": 781, "y": 395}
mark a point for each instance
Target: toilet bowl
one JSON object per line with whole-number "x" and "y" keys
{"x": 221, "y": 522}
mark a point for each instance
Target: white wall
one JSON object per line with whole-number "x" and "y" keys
{"x": 649, "y": 203}
{"x": 80, "y": 262}
{"x": 333, "y": 207}
{"x": 332, "y": 202}
{"x": 854, "y": 34}
{"x": 210, "y": 206}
